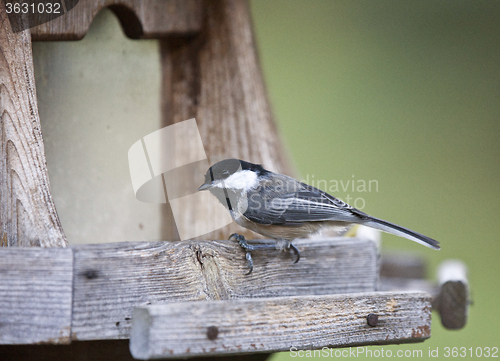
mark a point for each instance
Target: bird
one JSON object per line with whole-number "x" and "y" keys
{"x": 282, "y": 208}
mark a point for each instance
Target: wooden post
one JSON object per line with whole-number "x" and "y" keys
{"x": 215, "y": 77}
{"x": 28, "y": 216}
{"x": 453, "y": 300}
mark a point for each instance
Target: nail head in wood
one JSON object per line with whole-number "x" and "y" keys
{"x": 212, "y": 332}
{"x": 91, "y": 274}
{"x": 372, "y": 319}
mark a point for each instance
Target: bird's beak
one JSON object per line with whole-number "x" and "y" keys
{"x": 204, "y": 186}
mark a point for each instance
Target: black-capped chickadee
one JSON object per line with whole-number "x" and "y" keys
{"x": 280, "y": 207}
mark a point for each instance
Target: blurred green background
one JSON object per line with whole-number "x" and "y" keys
{"x": 406, "y": 93}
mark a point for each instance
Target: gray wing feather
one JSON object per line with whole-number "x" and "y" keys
{"x": 284, "y": 201}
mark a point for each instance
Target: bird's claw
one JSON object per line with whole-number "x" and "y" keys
{"x": 248, "y": 256}
{"x": 242, "y": 242}
{"x": 296, "y": 251}
{"x": 248, "y": 248}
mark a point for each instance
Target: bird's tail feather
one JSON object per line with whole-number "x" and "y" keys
{"x": 401, "y": 232}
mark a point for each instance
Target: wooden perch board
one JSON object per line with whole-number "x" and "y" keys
{"x": 89, "y": 292}
{"x": 277, "y": 324}
{"x": 35, "y": 295}
{"x": 111, "y": 279}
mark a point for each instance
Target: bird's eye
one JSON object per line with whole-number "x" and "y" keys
{"x": 225, "y": 173}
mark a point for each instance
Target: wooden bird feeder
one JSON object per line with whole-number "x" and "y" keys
{"x": 192, "y": 298}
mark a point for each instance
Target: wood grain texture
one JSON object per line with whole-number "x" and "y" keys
{"x": 216, "y": 78}
{"x": 110, "y": 280}
{"x": 28, "y": 216}
{"x": 139, "y": 19}
{"x": 35, "y": 295}
{"x": 277, "y": 324}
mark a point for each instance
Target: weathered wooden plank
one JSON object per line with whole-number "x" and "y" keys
{"x": 111, "y": 279}
{"x": 139, "y": 18}
{"x": 28, "y": 216}
{"x": 35, "y": 295}
{"x": 278, "y": 324}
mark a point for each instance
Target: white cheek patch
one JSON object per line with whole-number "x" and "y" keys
{"x": 243, "y": 180}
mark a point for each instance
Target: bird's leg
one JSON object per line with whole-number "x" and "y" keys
{"x": 249, "y": 248}
{"x": 284, "y": 244}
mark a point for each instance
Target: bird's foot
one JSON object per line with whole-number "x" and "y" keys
{"x": 281, "y": 244}
{"x": 247, "y": 247}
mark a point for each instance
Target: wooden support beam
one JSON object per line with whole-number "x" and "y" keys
{"x": 139, "y": 19}
{"x": 216, "y": 78}
{"x": 35, "y": 295}
{"x": 278, "y": 324}
{"x": 111, "y": 279}
{"x": 28, "y": 216}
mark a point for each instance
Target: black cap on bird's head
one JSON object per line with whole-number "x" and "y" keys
{"x": 227, "y": 167}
